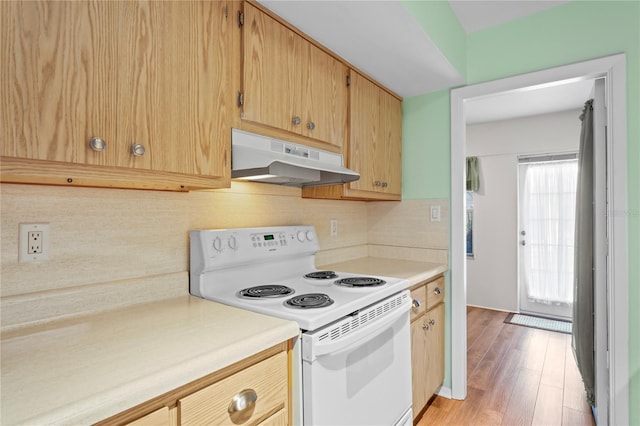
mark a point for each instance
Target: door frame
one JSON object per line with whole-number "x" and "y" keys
{"x": 613, "y": 69}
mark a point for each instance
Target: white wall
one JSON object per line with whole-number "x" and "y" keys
{"x": 492, "y": 274}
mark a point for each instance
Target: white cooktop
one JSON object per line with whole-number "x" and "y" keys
{"x": 223, "y": 262}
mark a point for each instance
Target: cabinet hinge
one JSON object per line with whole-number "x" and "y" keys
{"x": 240, "y": 99}
{"x": 240, "y": 19}
{"x": 348, "y": 80}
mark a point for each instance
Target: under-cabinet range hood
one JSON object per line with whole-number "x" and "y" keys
{"x": 264, "y": 159}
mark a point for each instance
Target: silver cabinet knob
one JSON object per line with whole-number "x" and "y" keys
{"x": 437, "y": 291}
{"x": 377, "y": 183}
{"x": 523, "y": 243}
{"x": 425, "y": 326}
{"x": 432, "y": 322}
{"x": 296, "y": 120}
{"x": 242, "y": 406}
{"x": 138, "y": 150}
{"x": 311, "y": 125}
{"x": 416, "y": 303}
{"x": 97, "y": 144}
{"x": 523, "y": 233}
{"x": 384, "y": 184}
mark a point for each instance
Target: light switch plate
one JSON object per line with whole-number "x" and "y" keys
{"x": 435, "y": 213}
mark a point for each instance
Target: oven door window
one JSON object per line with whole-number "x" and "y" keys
{"x": 367, "y": 382}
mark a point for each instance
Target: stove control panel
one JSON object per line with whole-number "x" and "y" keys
{"x": 218, "y": 248}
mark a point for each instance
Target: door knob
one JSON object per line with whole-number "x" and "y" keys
{"x": 523, "y": 233}
{"x": 523, "y": 243}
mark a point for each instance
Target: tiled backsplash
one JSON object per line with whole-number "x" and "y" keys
{"x": 113, "y": 247}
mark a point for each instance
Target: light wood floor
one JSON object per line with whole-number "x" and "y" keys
{"x": 515, "y": 376}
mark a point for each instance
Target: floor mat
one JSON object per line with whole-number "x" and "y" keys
{"x": 539, "y": 322}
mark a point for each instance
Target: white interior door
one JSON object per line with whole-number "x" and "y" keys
{"x": 546, "y": 207}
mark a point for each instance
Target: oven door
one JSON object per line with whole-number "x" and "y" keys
{"x": 360, "y": 376}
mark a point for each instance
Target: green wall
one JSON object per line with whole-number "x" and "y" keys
{"x": 573, "y": 32}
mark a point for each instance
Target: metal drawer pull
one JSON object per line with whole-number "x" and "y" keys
{"x": 425, "y": 326}
{"x": 138, "y": 149}
{"x": 295, "y": 120}
{"x": 384, "y": 184}
{"x": 416, "y": 303}
{"x": 97, "y": 144}
{"x": 242, "y": 406}
{"x": 311, "y": 125}
{"x": 437, "y": 291}
{"x": 432, "y": 321}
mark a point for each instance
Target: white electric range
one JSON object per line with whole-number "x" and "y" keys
{"x": 355, "y": 341}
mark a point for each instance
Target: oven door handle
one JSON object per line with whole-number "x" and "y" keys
{"x": 371, "y": 330}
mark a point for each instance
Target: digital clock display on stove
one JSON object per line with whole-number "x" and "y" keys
{"x": 268, "y": 237}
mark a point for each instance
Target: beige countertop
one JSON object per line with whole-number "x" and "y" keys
{"x": 87, "y": 369}
{"x": 414, "y": 272}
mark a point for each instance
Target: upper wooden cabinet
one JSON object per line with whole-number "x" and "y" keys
{"x": 288, "y": 83}
{"x": 153, "y": 80}
{"x": 375, "y": 145}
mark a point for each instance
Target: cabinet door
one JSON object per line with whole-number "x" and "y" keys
{"x": 271, "y": 72}
{"x": 324, "y": 97}
{"x": 435, "y": 349}
{"x": 376, "y": 138}
{"x": 58, "y": 87}
{"x": 389, "y": 158}
{"x": 176, "y": 101}
{"x": 364, "y": 128}
{"x": 418, "y": 365}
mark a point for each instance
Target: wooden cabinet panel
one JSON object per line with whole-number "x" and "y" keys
{"x": 58, "y": 79}
{"x": 270, "y": 72}
{"x": 419, "y": 299}
{"x": 268, "y": 379}
{"x": 289, "y": 83}
{"x": 418, "y": 366}
{"x": 435, "y": 292}
{"x": 160, "y": 417}
{"x": 435, "y": 350}
{"x": 324, "y": 97}
{"x": 152, "y": 73}
{"x": 374, "y": 148}
{"x": 427, "y": 343}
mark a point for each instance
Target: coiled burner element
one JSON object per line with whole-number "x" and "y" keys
{"x": 321, "y": 275}
{"x": 310, "y": 300}
{"x": 263, "y": 291}
{"x": 360, "y": 282}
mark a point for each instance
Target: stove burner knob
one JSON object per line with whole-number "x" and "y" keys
{"x": 309, "y": 236}
{"x": 233, "y": 243}
{"x": 301, "y": 236}
{"x": 217, "y": 244}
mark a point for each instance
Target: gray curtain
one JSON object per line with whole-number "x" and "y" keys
{"x": 473, "y": 175}
{"x": 583, "y": 305}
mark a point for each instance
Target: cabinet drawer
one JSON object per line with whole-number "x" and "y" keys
{"x": 159, "y": 417}
{"x": 435, "y": 292}
{"x": 419, "y": 298}
{"x": 212, "y": 405}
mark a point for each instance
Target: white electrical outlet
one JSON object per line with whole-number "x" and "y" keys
{"x": 34, "y": 242}
{"x": 334, "y": 227}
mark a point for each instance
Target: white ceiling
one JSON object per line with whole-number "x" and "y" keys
{"x": 382, "y": 39}
{"x": 528, "y": 101}
{"x": 476, "y": 15}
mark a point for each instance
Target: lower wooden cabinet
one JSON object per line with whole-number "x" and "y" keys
{"x": 253, "y": 391}
{"x": 246, "y": 397}
{"x": 427, "y": 341}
